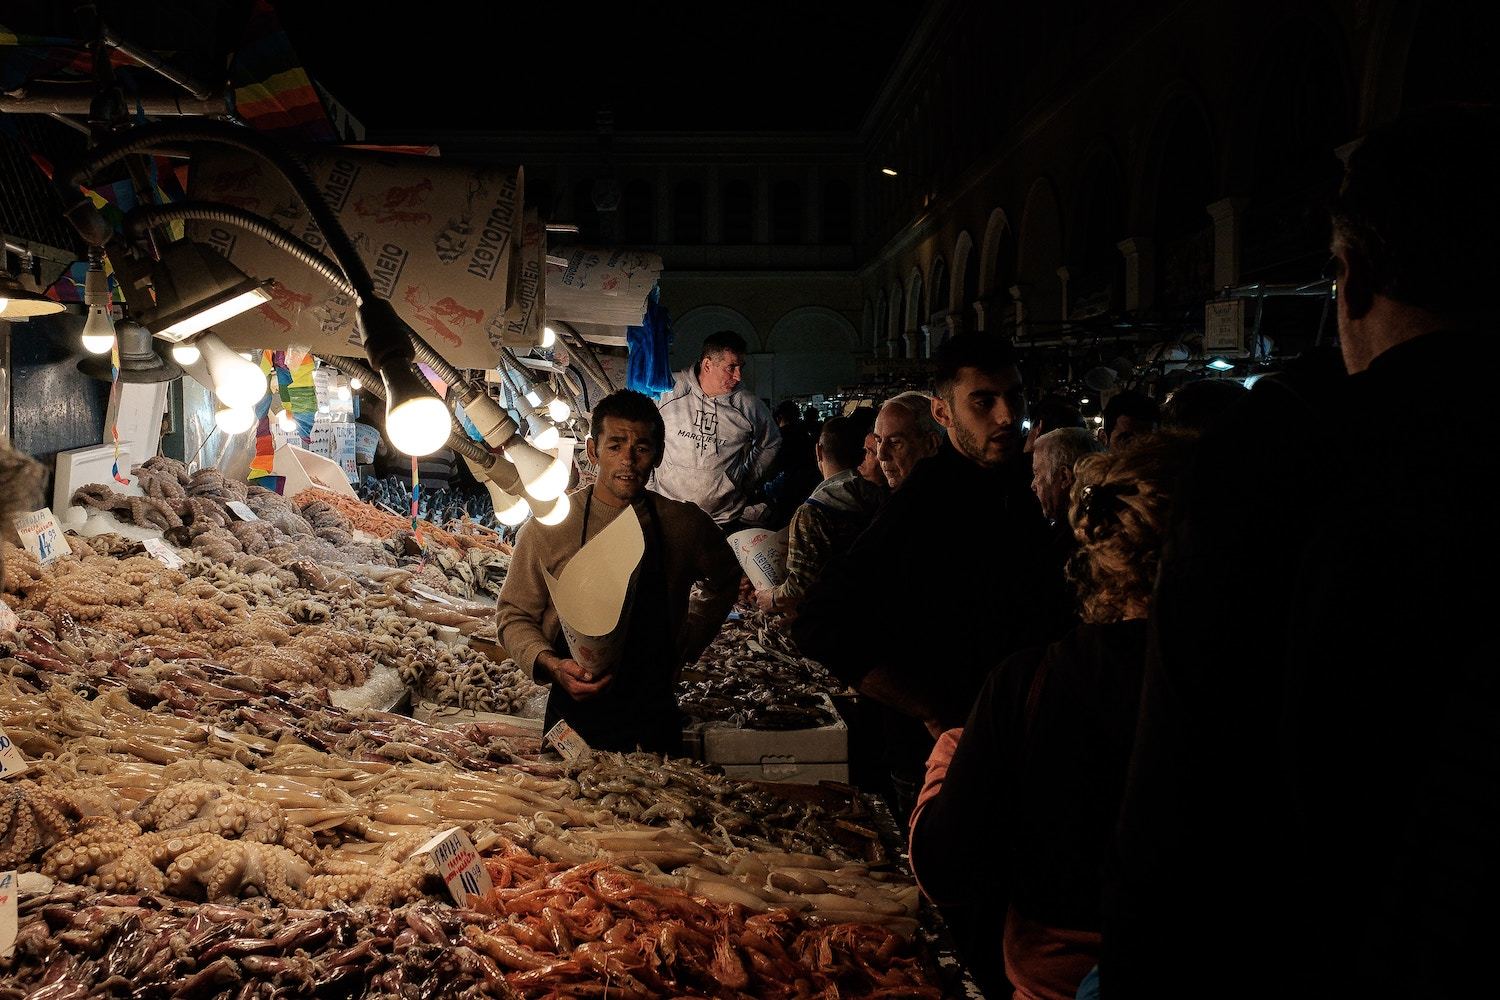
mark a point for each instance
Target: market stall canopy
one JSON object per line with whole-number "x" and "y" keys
{"x": 601, "y": 286}
{"x": 440, "y": 240}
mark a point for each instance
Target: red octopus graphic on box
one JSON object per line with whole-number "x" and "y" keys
{"x": 283, "y": 301}
{"x": 397, "y": 204}
{"x": 233, "y": 186}
{"x": 437, "y": 316}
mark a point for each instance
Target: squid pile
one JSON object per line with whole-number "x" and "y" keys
{"x": 753, "y": 677}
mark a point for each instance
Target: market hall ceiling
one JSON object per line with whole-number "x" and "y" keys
{"x": 776, "y": 65}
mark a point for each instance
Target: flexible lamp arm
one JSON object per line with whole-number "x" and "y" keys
{"x": 494, "y": 423}
{"x": 386, "y": 336}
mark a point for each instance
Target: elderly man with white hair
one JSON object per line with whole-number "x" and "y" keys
{"x": 1053, "y": 457}
{"x": 905, "y": 433}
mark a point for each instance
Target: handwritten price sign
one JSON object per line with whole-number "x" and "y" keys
{"x": 42, "y": 535}
{"x": 8, "y": 914}
{"x": 11, "y": 761}
{"x": 453, "y": 856}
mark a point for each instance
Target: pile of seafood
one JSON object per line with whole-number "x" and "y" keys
{"x": 545, "y": 930}
{"x": 191, "y": 510}
{"x": 308, "y": 624}
{"x": 462, "y": 535}
{"x": 753, "y": 677}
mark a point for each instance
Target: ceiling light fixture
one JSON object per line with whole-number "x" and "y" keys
{"x": 888, "y": 171}
{"x": 19, "y": 302}
{"x": 196, "y": 288}
{"x": 1220, "y": 365}
{"x": 139, "y": 362}
{"x": 234, "y": 419}
{"x": 186, "y": 353}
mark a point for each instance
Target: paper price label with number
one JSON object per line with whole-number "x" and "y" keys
{"x": 241, "y": 510}
{"x": 566, "y": 741}
{"x": 453, "y": 856}
{"x": 42, "y": 535}
{"x": 163, "y": 553}
{"x": 12, "y": 762}
{"x": 8, "y": 914}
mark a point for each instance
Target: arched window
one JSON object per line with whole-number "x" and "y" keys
{"x": 637, "y": 209}
{"x": 786, "y": 212}
{"x": 739, "y": 212}
{"x": 838, "y": 212}
{"x": 687, "y": 213}
{"x": 938, "y": 296}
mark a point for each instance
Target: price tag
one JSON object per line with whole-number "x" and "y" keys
{"x": 42, "y": 535}
{"x": 566, "y": 741}
{"x": 163, "y": 552}
{"x": 240, "y": 510}
{"x": 430, "y": 594}
{"x": 12, "y": 762}
{"x": 8, "y": 915}
{"x": 452, "y": 855}
{"x": 389, "y": 509}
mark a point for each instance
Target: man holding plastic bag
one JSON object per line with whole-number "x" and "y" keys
{"x": 603, "y": 604}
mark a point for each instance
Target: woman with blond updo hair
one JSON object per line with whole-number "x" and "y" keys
{"x": 1033, "y": 781}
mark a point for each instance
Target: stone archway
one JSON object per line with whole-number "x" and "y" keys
{"x": 1038, "y": 256}
{"x": 813, "y": 350}
{"x": 965, "y": 288}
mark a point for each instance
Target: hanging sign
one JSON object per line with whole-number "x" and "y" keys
{"x": 41, "y": 535}
{"x": 452, "y": 856}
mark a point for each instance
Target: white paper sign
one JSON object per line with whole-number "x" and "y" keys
{"x": 241, "y": 510}
{"x": 453, "y": 857}
{"x": 8, "y": 620}
{"x": 8, "y": 915}
{"x": 566, "y": 741}
{"x": 12, "y": 762}
{"x": 163, "y": 553}
{"x": 42, "y": 536}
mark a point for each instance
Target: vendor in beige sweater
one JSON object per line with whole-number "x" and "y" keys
{"x": 633, "y": 704}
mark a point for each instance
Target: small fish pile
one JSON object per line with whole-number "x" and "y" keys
{"x": 752, "y": 676}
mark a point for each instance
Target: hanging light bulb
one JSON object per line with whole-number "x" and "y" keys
{"x": 99, "y": 328}
{"x": 542, "y": 476}
{"x": 235, "y": 419}
{"x": 186, "y": 354}
{"x": 558, "y": 409}
{"x": 532, "y": 399}
{"x": 509, "y": 510}
{"x": 343, "y": 393}
{"x": 549, "y": 337}
{"x": 98, "y": 331}
{"x": 237, "y": 382}
{"x": 286, "y": 421}
{"x": 543, "y": 435}
{"x": 356, "y": 384}
{"x": 323, "y": 408}
{"x": 416, "y": 420}
{"x": 553, "y": 512}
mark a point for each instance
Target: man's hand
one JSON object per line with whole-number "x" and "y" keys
{"x": 580, "y": 684}
{"x": 765, "y": 600}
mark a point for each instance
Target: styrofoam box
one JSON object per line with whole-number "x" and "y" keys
{"x": 786, "y": 770}
{"x": 824, "y": 745}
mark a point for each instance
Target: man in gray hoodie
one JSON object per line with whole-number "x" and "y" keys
{"x": 721, "y": 439}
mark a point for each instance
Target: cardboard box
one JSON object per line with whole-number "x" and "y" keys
{"x": 797, "y": 755}
{"x": 787, "y": 771}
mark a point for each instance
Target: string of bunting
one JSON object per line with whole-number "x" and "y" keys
{"x": 114, "y": 401}
{"x": 416, "y": 494}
